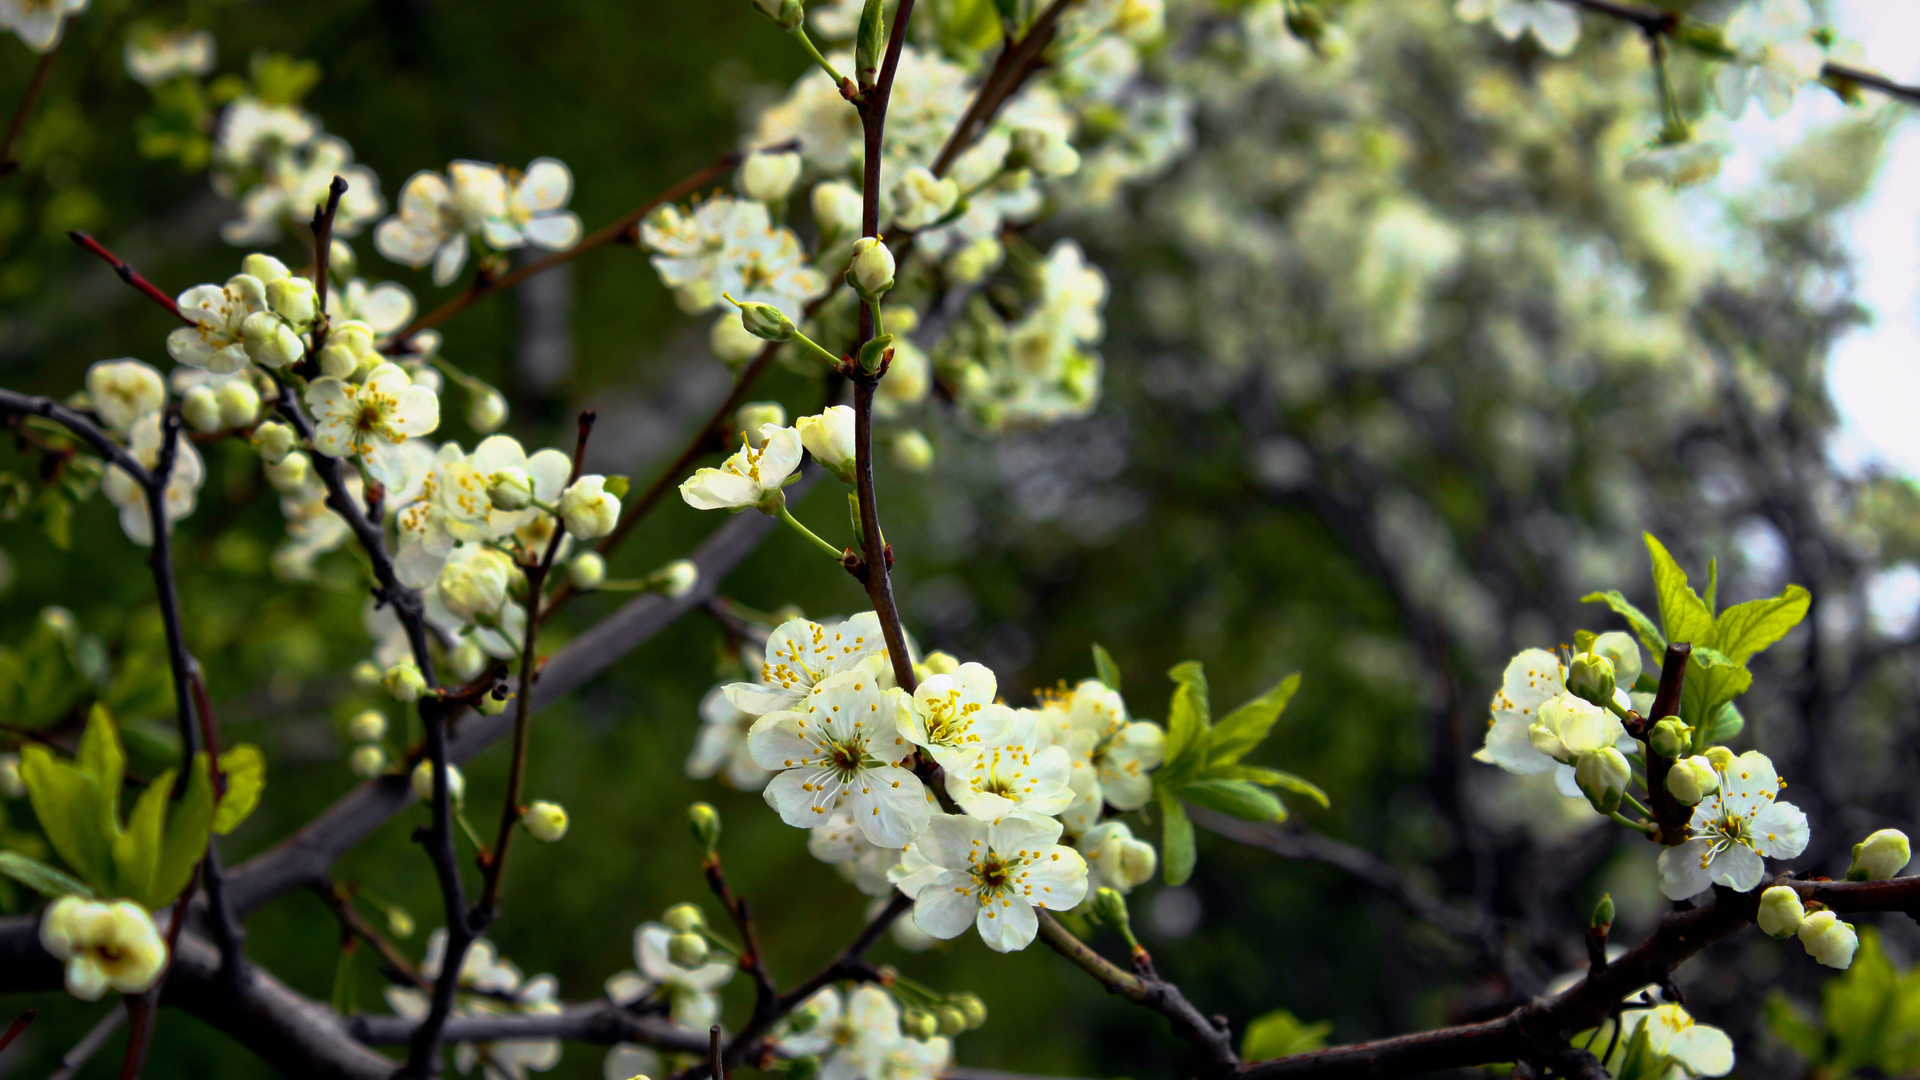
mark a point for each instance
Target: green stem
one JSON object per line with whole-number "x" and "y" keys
{"x": 1637, "y": 826}
{"x": 468, "y": 829}
{"x": 788, "y": 517}
{"x": 1627, "y": 797}
{"x": 819, "y": 352}
{"x": 799, "y": 33}
{"x": 874, "y": 304}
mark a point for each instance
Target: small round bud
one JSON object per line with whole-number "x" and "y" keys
{"x": 293, "y": 299}
{"x": 265, "y": 268}
{"x": 687, "y": 950}
{"x": 1829, "y": 940}
{"x": 510, "y": 489}
{"x": 919, "y": 1023}
{"x": 366, "y": 673}
{"x": 686, "y": 919}
{"x": 952, "y": 1020}
{"x": 423, "y": 782}
{"x": 705, "y": 822}
{"x": 369, "y": 726}
{"x": 1692, "y": 779}
{"x": 200, "y": 406}
{"x": 1781, "y": 912}
{"x": 1590, "y": 676}
{"x": 974, "y": 260}
{"x": 1044, "y": 147}
{"x": 341, "y": 261}
{"x": 493, "y": 702}
{"x": 587, "y": 571}
{"x": 754, "y": 415}
{"x": 973, "y": 1007}
{"x": 399, "y": 922}
{"x": 404, "y": 681}
{"x": 467, "y": 660}
{"x": 1880, "y": 856}
{"x": 836, "y": 209}
{"x": 1602, "y": 913}
{"x": 273, "y": 441}
{"x": 1603, "y": 776}
{"x": 589, "y": 509}
{"x": 676, "y": 579}
{"x": 337, "y": 360}
{"x": 486, "y": 411}
{"x": 239, "y": 403}
{"x": 1720, "y": 758}
{"x": 871, "y": 273}
{"x": 912, "y": 451}
{"x": 288, "y": 474}
{"x": 367, "y": 760}
{"x": 694, "y": 297}
{"x": 269, "y": 341}
{"x": 764, "y": 321}
{"x": 1669, "y": 737}
{"x": 1111, "y": 908}
{"x": 11, "y": 786}
{"x": 546, "y": 821}
{"x": 769, "y": 177}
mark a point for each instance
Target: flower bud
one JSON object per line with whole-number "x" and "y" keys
{"x": 1669, "y": 737}
{"x": 404, "y": 681}
{"x": 973, "y": 1007}
{"x": 1603, "y": 776}
{"x": 919, "y": 1023}
{"x": 694, "y": 297}
{"x": 1720, "y": 758}
{"x": 369, "y": 726}
{"x": 940, "y": 663}
{"x": 768, "y": 177}
{"x": 587, "y": 571}
{"x": 912, "y": 451}
{"x": 1829, "y": 940}
{"x": 367, "y": 760}
{"x": 486, "y": 411}
{"x": 836, "y": 209}
{"x": 975, "y": 260}
{"x": 337, "y": 360}
{"x": 341, "y": 261}
{"x": 687, "y": 950}
{"x": 829, "y": 438}
{"x": 292, "y": 298}
{"x": 288, "y": 474}
{"x": 874, "y": 353}
{"x": 732, "y": 343}
{"x": 764, "y": 321}
{"x": 754, "y": 415}
{"x": 921, "y": 198}
{"x": 1045, "y": 148}
{"x": 366, "y": 673}
{"x": 589, "y": 509}
{"x": 1623, "y": 652}
{"x": 1602, "y": 917}
{"x": 786, "y": 14}
{"x": 510, "y": 489}
{"x": 201, "y": 408}
{"x": 494, "y": 702}
{"x": 400, "y": 922}
{"x": 546, "y": 821}
{"x": 263, "y": 267}
{"x": 1111, "y": 908}
{"x": 1590, "y": 676}
{"x": 467, "y": 660}
{"x": 1880, "y": 856}
{"x": 1692, "y": 779}
{"x": 423, "y": 782}
{"x": 705, "y": 821}
{"x": 676, "y": 579}
{"x": 871, "y": 273}
{"x": 1781, "y": 912}
{"x": 11, "y": 786}
{"x": 269, "y": 341}
{"x": 273, "y": 441}
{"x": 952, "y": 1020}
{"x": 239, "y": 403}
{"x": 686, "y": 919}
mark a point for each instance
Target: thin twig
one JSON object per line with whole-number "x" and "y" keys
{"x": 752, "y": 960}
{"x": 96, "y": 1037}
{"x": 322, "y": 252}
{"x": 354, "y": 924}
{"x": 38, "y": 83}
{"x": 1144, "y": 986}
{"x": 1016, "y": 63}
{"x": 19, "y": 1025}
{"x": 129, "y": 275}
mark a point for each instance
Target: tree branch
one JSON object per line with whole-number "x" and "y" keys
{"x": 35, "y": 85}
{"x": 1144, "y": 987}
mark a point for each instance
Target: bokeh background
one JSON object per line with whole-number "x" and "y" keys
{"x": 1397, "y": 368}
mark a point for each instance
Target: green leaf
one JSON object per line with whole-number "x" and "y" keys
{"x": 102, "y": 758}
{"x": 1795, "y": 1028}
{"x": 870, "y": 40}
{"x": 246, "y": 772}
{"x": 186, "y": 840}
{"x": 1188, "y": 720}
{"x": 1710, "y": 597}
{"x": 1247, "y": 726}
{"x": 616, "y": 486}
{"x": 1863, "y": 1009}
{"x": 1105, "y": 668}
{"x": 1272, "y": 778}
{"x": 1683, "y": 615}
{"x": 41, "y": 878}
{"x": 1650, "y": 635}
{"x": 1176, "y": 840}
{"x": 1239, "y": 798}
{"x": 1712, "y": 681}
{"x": 1749, "y": 628}
{"x": 1279, "y": 1034}
{"x": 68, "y": 804}
{"x": 1726, "y": 724}
{"x": 136, "y": 852}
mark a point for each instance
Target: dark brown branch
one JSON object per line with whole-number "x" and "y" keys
{"x": 80, "y": 424}
{"x": 339, "y": 900}
{"x": 1015, "y": 65}
{"x": 1669, "y": 815}
{"x": 322, "y": 252}
{"x": 8, "y": 166}
{"x": 752, "y": 961}
{"x": 1143, "y": 986}
{"x": 129, "y": 275}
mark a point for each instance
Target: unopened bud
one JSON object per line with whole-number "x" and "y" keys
{"x": 1880, "y": 856}
{"x": 952, "y": 1020}
{"x": 676, "y": 579}
{"x": 1590, "y": 676}
{"x": 423, "y": 782}
{"x": 269, "y": 341}
{"x": 369, "y": 726}
{"x": 239, "y": 403}
{"x": 587, "y": 571}
{"x": 337, "y": 360}
{"x": 366, "y": 673}
{"x": 1692, "y": 779}
{"x": 263, "y": 267}
{"x": 467, "y": 660}
{"x": 288, "y": 474}
{"x": 486, "y": 411}
{"x": 1111, "y": 908}
{"x": 836, "y": 208}
{"x": 912, "y": 451}
{"x": 510, "y": 489}
{"x": 341, "y": 261}
{"x": 1720, "y": 758}
{"x": 1829, "y": 940}
{"x": 687, "y": 950}
{"x": 685, "y": 919}
{"x": 1603, "y": 776}
{"x": 399, "y": 922}
{"x": 973, "y": 1007}
{"x": 367, "y": 761}
{"x": 273, "y": 441}
{"x": 11, "y": 785}
{"x": 201, "y": 408}
{"x": 1669, "y": 737}
{"x": 732, "y": 343}
{"x": 292, "y": 298}
{"x": 546, "y": 821}
{"x": 1602, "y": 913}
{"x": 404, "y": 681}
{"x": 871, "y": 273}
{"x": 874, "y": 353}
{"x": 1781, "y": 912}
{"x": 705, "y": 821}
{"x": 764, "y": 321}
{"x": 769, "y": 177}
{"x": 919, "y": 1023}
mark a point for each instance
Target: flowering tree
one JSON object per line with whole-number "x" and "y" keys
{"x": 927, "y": 147}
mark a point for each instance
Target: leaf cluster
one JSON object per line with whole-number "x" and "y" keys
{"x": 1869, "y": 1017}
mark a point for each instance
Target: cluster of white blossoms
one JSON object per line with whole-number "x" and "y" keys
{"x": 834, "y": 742}
{"x": 276, "y": 162}
{"x": 689, "y": 990}
{"x": 490, "y": 985}
{"x": 39, "y": 22}
{"x": 863, "y": 1034}
{"x": 499, "y": 209}
{"x": 156, "y": 56}
{"x": 130, "y": 398}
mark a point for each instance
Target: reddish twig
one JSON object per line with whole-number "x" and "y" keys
{"x": 129, "y": 275}
{"x": 19, "y": 1025}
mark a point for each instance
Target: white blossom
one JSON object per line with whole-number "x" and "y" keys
{"x": 473, "y": 585}
{"x": 1115, "y": 860}
{"x": 992, "y": 876}
{"x": 801, "y": 653}
{"x": 155, "y": 58}
{"x": 178, "y": 497}
{"x": 370, "y": 420}
{"x": 839, "y": 843}
{"x": 124, "y": 392}
{"x": 722, "y": 744}
{"x": 295, "y": 182}
{"x": 752, "y": 477}
{"x": 453, "y": 505}
{"x": 951, "y": 716}
{"x": 489, "y": 985}
{"x": 1014, "y": 774}
{"x": 590, "y": 510}
{"x": 730, "y": 247}
{"x": 1776, "y": 55}
{"x": 104, "y": 946}
{"x": 690, "y": 992}
{"x": 1733, "y": 829}
{"x": 39, "y": 22}
{"x": 437, "y": 214}
{"x": 1554, "y": 25}
{"x": 214, "y": 341}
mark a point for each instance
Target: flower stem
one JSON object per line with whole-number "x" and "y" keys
{"x": 1637, "y": 826}
{"x": 787, "y": 516}
{"x": 818, "y": 351}
{"x": 1627, "y": 796}
{"x": 799, "y": 33}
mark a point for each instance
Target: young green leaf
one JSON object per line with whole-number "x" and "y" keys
{"x": 1749, "y": 628}
{"x": 870, "y": 41}
{"x": 186, "y": 841}
{"x": 246, "y": 773}
{"x": 1726, "y": 724}
{"x": 1176, "y": 840}
{"x": 68, "y": 804}
{"x": 1105, "y": 668}
{"x": 1713, "y": 680}
{"x": 136, "y": 851}
{"x": 1247, "y": 726}
{"x": 46, "y": 880}
{"x": 1236, "y": 797}
{"x": 1650, "y": 635}
{"x": 1272, "y": 778}
{"x": 1684, "y": 616}
{"x": 1279, "y": 1034}
{"x": 1188, "y": 719}
{"x": 101, "y": 757}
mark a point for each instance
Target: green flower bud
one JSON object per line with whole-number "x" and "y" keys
{"x": 546, "y": 821}
{"x": 369, "y": 726}
{"x": 367, "y": 761}
{"x": 366, "y": 673}
{"x": 587, "y": 571}
{"x": 399, "y": 922}
{"x": 684, "y": 919}
{"x": 687, "y": 950}
{"x": 919, "y": 1023}
{"x": 341, "y": 261}
{"x": 1111, "y": 908}
{"x": 269, "y": 341}
{"x": 494, "y": 702}
{"x": 486, "y": 411}
{"x": 971, "y": 1005}
{"x": 871, "y": 273}
{"x": 764, "y": 321}
{"x": 293, "y": 299}
{"x": 1602, "y": 913}
{"x": 1669, "y": 738}
{"x": 273, "y": 441}
{"x": 201, "y": 408}
{"x": 874, "y": 353}
{"x": 266, "y": 268}
{"x": 705, "y": 821}
{"x": 952, "y": 1020}
{"x": 1692, "y": 779}
{"x": 510, "y": 489}
{"x": 423, "y": 782}
{"x": 1829, "y": 940}
{"x": 1590, "y": 676}
{"x": 404, "y": 681}
{"x": 1781, "y": 912}
{"x": 239, "y": 403}
{"x": 1880, "y": 856}
{"x": 1603, "y": 776}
